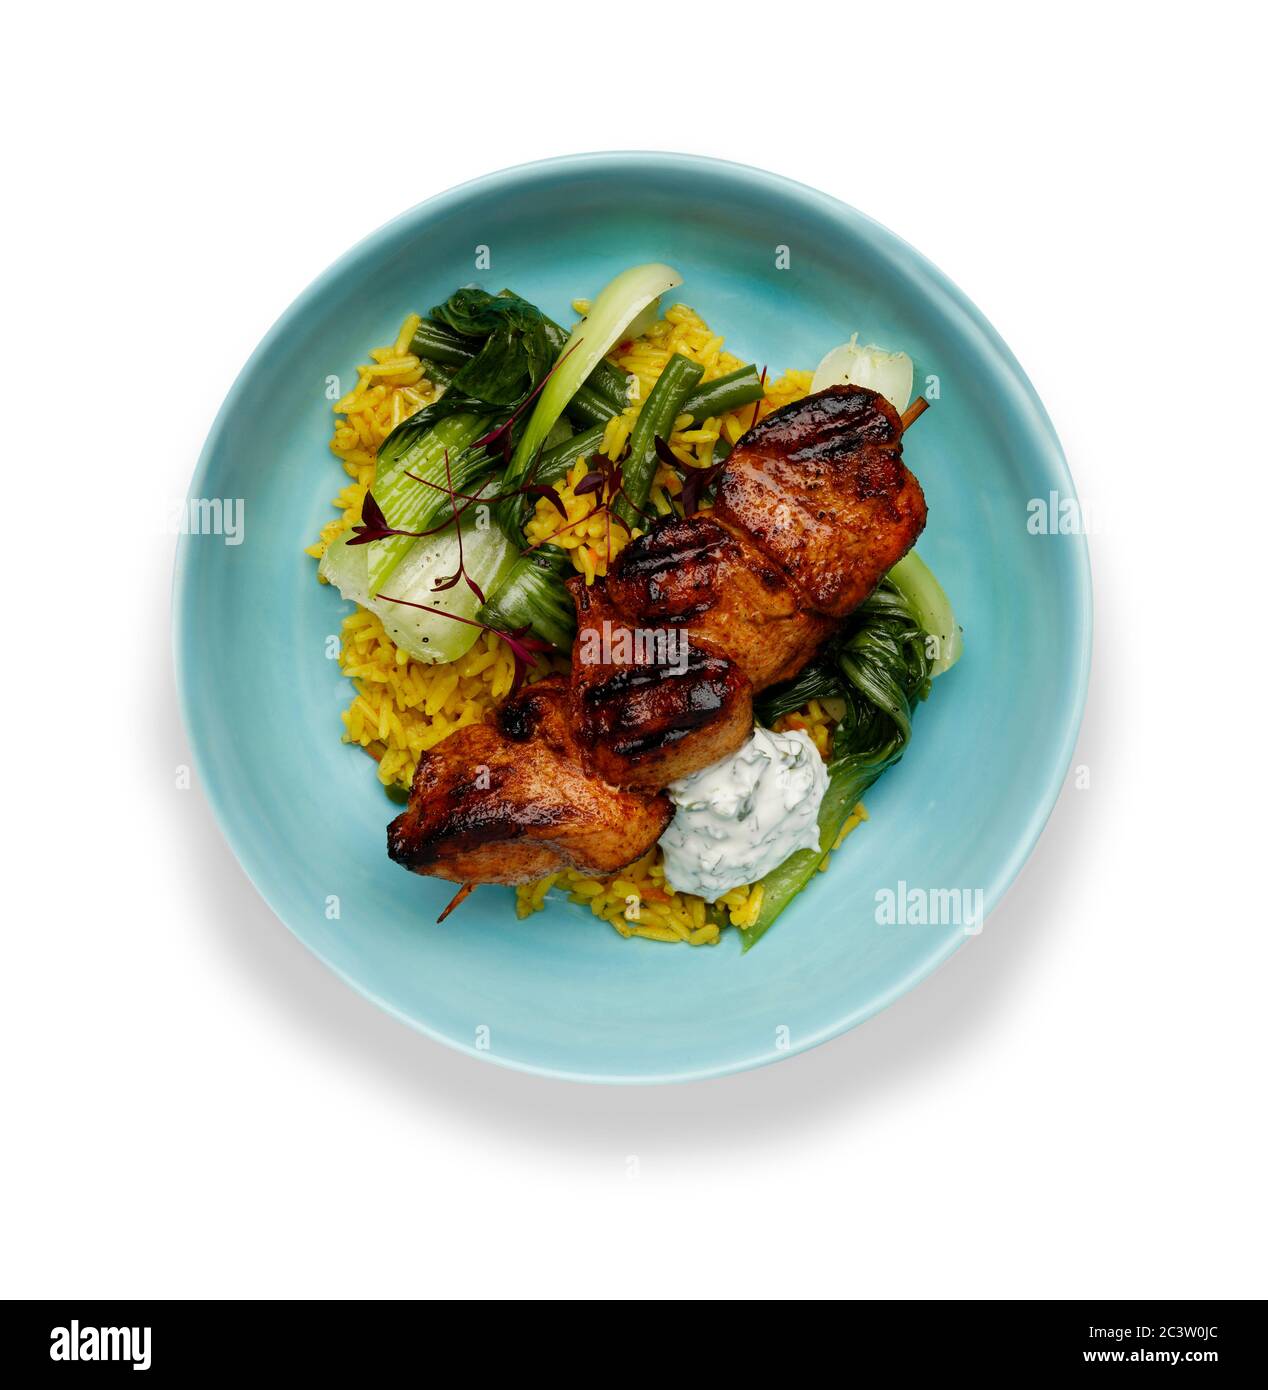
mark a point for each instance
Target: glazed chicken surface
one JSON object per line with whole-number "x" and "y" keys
{"x": 813, "y": 507}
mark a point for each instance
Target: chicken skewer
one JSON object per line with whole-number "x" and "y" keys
{"x": 813, "y": 507}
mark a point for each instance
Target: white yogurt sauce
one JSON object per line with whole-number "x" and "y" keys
{"x": 742, "y": 817}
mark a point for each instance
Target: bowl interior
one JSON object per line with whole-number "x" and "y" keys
{"x": 561, "y": 992}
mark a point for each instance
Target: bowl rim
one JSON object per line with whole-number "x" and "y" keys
{"x": 882, "y": 241}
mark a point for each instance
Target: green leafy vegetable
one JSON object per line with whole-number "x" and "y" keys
{"x": 879, "y": 667}
{"x": 915, "y": 581}
{"x": 502, "y": 367}
{"x": 502, "y": 351}
{"x": 515, "y": 352}
{"x": 533, "y": 596}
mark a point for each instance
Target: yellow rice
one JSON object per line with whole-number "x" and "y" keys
{"x": 403, "y": 707}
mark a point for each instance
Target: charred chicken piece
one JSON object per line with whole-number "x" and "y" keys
{"x": 653, "y": 702}
{"x": 821, "y": 488}
{"x": 511, "y": 802}
{"x": 711, "y": 581}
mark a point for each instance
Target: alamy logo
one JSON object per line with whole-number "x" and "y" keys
{"x": 75, "y": 1343}
{"x": 1056, "y": 515}
{"x": 930, "y": 907}
{"x": 664, "y": 647}
{"x": 225, "y": 517}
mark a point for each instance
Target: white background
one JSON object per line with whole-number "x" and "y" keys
{"x": 1073, "y": 1106}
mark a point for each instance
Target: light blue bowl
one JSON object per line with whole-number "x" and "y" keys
{"x": 561, "y": 993}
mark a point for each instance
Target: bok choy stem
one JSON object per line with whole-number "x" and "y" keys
{"x": 436, "y": 343}
{"x": 916, "y": 582}
{"x": 607, "y": 380}
{"x": 533, "y": 595}
{"x": 410, "y": 505}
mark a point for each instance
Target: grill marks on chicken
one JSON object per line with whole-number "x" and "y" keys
{"x": 651, "y": 708}
{"x": 813, "y": 507}
{"x": 821, "y": 488}
{"x": 511, "y": 802}
{"x": 697, "y": 573}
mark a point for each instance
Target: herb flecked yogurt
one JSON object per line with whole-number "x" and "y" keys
{"x": 742, "y": 817}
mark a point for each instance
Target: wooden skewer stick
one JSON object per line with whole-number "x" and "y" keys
{"x": 913, "y": 412}
{"x": 457, "y": 898}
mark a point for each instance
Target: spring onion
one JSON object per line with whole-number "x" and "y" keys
{"x": 890, "y": 373}
{"x": 611, "y": 313}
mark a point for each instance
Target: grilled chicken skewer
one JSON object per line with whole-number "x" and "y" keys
{"x": 813, "y": 507}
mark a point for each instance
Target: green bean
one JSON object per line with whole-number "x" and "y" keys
{"x": 590, "y": 407}
{"x": 604, "y": 394}
{"x": 714, "y": 398}
{"x": 707, "y": 401}
{"x": 663, "y": 406}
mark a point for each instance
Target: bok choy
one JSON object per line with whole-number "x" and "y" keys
{"x": 481, "y": 553}
{"x": 414, "y": 474}
{"x": 532, "y": 595}
{"x": 880, "y": 666}
{"x": 498, "y": 350}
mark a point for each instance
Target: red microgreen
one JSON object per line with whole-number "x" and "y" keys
{"x": 448, "y": 581}
{"x": 374, "y": 525}
{"x": 548, "y": 492}
{"x": 696, "y": 482}
{"x": 604, "y": 483}
{"x": 449, "y": 492}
